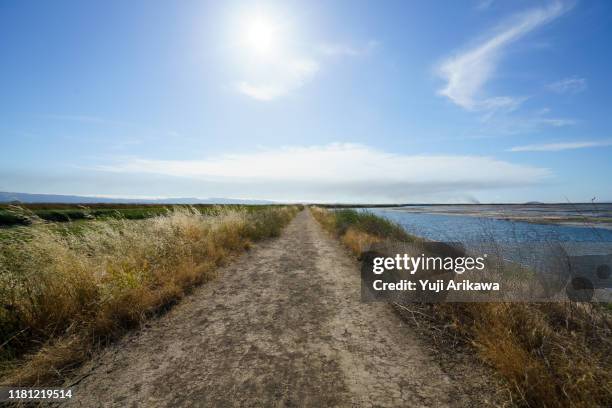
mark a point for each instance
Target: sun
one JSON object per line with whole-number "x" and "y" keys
{"x": 261, "y": 35}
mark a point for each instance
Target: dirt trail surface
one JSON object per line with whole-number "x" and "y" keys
{"x": 283, "y": 325}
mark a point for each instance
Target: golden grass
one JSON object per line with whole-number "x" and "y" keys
{"x": 64, "y": 293}
{"x": 325, "y": 218}
{"x": 549, "y": 354}
{"x": 358, "y": 241}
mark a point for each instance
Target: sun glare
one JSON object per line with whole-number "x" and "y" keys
{"x": 261, "y": 35}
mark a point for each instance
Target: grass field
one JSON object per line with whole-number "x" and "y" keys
{"x": 549, "y": 354}
{"x": 27, "y": 214}
{"x": 68, "y": 288}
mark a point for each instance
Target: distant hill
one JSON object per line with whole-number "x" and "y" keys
{"x": 6, "y": 197}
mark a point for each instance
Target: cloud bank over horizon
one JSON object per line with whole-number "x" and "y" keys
{"x": 333, "y": 172}
{"x": 490, "y": 101}
{"x": 560, "y": 146}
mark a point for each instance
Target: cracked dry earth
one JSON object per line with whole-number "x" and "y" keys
{"x": 283, "y": 325}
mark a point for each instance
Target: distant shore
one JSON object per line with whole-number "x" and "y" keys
{"x": 580, "y": 215}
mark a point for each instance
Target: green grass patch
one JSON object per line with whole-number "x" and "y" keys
{"x": 28, "y": 214}
{"x": 369, "y": 223}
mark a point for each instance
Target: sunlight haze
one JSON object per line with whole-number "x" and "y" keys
{"x": 324, "y": 101}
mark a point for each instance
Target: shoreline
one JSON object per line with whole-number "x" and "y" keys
{"x": 589, "y": 223}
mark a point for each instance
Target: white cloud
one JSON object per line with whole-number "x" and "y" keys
{"x": 484, "y": 4}
{"x": 86, "y": 119}
{"x": 502, "y": 125}
{"x": 282, "y": 78}
{"x": 339, "y": 171}
{"x": 555, "y": 122}
{"x": 331, "y": 49}
{"x": 77, "y": 118}
{"x": 261, "y": 92}
{"x": 467, "y": 72}
{"x": 568, "y": 85}
{"x": 556, "y": 147}
{"x": 270, "y": 61}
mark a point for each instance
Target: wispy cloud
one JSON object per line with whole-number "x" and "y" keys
{"x": 467, "y": 72}
{"x": 283, "y": 78}
{"x": 134, "y": 128}
{"x": 262, "y": 92}
{"x": 340, "y": 171}
{"x": 542, "y": 119}
{"x": 483, "y": 4}
{"x": 289, "y": 73}
{"x": 271, "y": 63}
{"x": 524, "y": 123}
{"x": 556, "y": 147}
{"x": 568, "y": 85}
{"x": 76, "y": 118}
{"x": 85, "y": 119}
{"x": 336, "y": 49}
{"x": 555, "y": 122}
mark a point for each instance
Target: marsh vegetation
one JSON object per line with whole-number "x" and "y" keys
{"x": 66, "y": 290}
{"x": 549, "y": 354}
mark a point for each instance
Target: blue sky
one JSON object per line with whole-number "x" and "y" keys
{"x": 489, "y": 101}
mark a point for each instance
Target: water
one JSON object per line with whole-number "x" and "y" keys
{"x": 462, "y": 228}
{"x": 521, "y": 242}
{"x": 544, "y": 248}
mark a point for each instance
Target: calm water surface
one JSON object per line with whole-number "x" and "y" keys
{"x": 538, "y": 246}
{"x": 462, "y": 228}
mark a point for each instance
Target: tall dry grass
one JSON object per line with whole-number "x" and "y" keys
{"x": 359, "y": 231}
{"x": 549, "y": 354}
{"x": 65, "y": 292}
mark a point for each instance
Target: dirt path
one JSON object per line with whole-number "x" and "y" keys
{"x": 282, "y": 326}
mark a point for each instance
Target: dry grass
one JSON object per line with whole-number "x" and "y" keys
{"x": 340, "y": 221}
{"x": 549, "y": 354}
{"x": 64, "y": 293}
{"x": 353, "y": 238}
{"x": 359, "y": 241}
{"x": 325, "y": 217}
